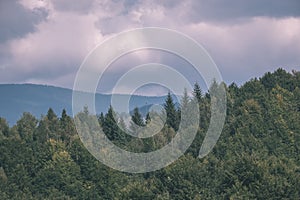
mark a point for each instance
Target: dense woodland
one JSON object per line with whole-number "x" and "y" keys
{"x": 256, "y": 156}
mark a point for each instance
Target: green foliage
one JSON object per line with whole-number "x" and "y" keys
{"x": 4, "y": 128}
{"x": 26, "y": 125}
{"x": 137, "y": 118}
{"x": 256, "y": 157}
{"x": 172, "y": 116}
{"x": 110, "y": 126}
{"x": 197, "y": 92}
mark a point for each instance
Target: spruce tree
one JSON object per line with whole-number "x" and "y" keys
{"x": 110, "y": 126}
{"x": 172, "y": 117}
{"x": 136, "y": 121}
{"x": 66, "y": 126}
{"x": 137, "y": 117}
{"x": 197, "y": 92}
{"x": 101, "y": 118}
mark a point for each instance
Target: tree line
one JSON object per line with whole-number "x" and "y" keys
{"x": 256, "y": 156}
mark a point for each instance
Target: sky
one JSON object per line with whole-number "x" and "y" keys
{"x": 45, "y": 41}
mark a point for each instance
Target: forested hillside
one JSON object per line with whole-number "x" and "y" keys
{"x": 256, "y": 156}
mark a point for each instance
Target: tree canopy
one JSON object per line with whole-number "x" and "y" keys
{"x": 256, "y": 156}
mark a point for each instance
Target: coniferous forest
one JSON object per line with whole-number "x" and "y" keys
{"x": 256, "y": 156}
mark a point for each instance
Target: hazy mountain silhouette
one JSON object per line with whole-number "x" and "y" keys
{"x": 37, "y": 99}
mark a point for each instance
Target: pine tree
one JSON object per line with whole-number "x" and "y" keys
{"x": 136, "y": 121}
{"x": 110, "y": 126}
{"x": 172, "y": 116}
{"x": 185, "y": 99}
{"x": 101, "y": 118}
{"x": 137, "y": 117}
{"x": 26, "y": 126}
{"x": 53, "y": 121}
{"x": 185, "y": 108}
{"x": 51, "y": 115}
{"x": 66, "y": 126}
{"x": 197, "y": 92}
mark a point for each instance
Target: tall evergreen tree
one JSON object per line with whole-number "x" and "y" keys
{"x": 136, "y": 121}
{"x": 101, "y": 118}
{"x": 53, "y": 121}
{"x": 137, "y": 117}
{"x": 197, "y": 92}
{"x": 26, "y": 125}
{"x": 185, "y": 100}
{"x": 110, "y": 126}
{"x": 186, "y": 109}
{"x": 171, "y": 111}
{"x": 67, "y": 127}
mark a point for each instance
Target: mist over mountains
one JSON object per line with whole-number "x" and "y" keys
{"x": 37, "y": 99}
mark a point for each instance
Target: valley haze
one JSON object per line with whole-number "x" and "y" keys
{"x": 37, "y": 99}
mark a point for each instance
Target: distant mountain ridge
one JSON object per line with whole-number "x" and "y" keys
{"x": 37, "y": 99}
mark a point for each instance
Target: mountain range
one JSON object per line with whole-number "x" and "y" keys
{"x": 37, "y": 99}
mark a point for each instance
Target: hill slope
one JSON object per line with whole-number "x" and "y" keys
{"x": 256, "y": 156}
{"x": 37, "y": 99}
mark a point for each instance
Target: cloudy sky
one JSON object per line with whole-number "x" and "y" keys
{"x": 45, "y": 41}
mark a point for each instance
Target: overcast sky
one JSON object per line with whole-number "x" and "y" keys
{"x": 45, "y": 41}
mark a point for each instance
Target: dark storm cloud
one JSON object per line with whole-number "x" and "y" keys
{"x": 245, "y": 38}
{"x": 81, "y": 6}
{"x": 16, "y": 21}
{"x": 235, "y": 10}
